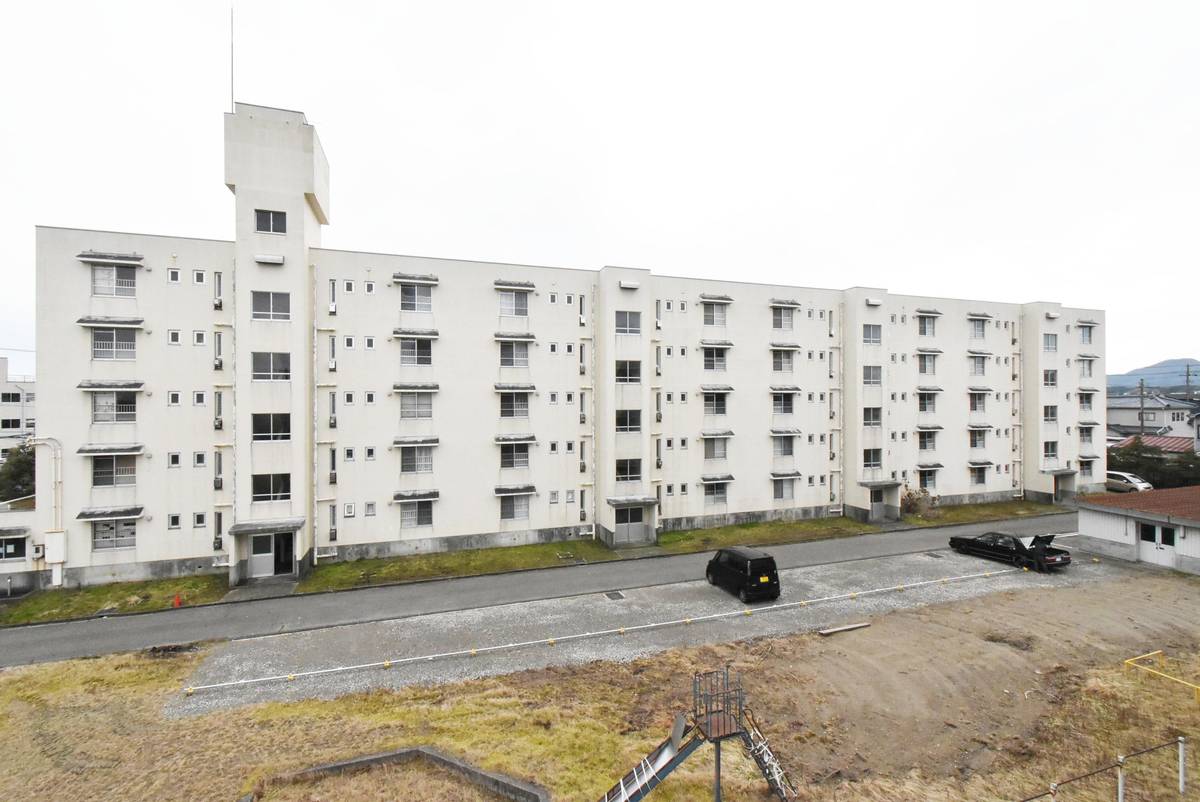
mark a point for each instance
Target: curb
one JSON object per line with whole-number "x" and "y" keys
{"x": 431, "y": 579}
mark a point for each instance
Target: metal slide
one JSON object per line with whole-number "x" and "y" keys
{"x": 757, "y": 747}
{"x": 655, "y": 767}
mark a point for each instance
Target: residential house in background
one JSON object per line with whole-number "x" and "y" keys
{"x": 1163, "y": 416}
{"x": 17, "y": 417}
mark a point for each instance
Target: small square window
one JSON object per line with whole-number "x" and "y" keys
{"x": 670, "y": 398}
{"x": 369, "y": 397}
{"x": 199, "y": 459}
{"x": 369, "y": 453}
{"x": 173, "y": 275}
{"x": 670, "y": 490}
{"x": 199, "y": 520}
{"x": 173, "y": 398}
{"x": 683, "y": 350}
{"x": 570, "y": 496}
{"x": 348, "y": 510}
{"x": 554, "y": 297}
{"x": 348, "y": 286}
{"x": 348, "y": 342}
{"x": 173, "y": 337}
{"x": 554, "y": 348}
{"x": 553, "y": 496}
{"x": 683, "y": 489}
{"x": 198, "y": 398}
{"x": 199, "y": 337}
{"x": 668, "y": 306}
{"x": 570, "y": 348}
{"x": 670, "y": 443}
{"x": 570, "y": 398}
{"x": 197, "y": 276}
{"x": 570, "y": 299}
{"x": 553, "y": 398}
{"x": 348, "y": 455}
{"x": 683, "y": 442}
{"x": 683, "y": 306}
{"x": 173, "y": 459}
{"x": 369, "y": 289}
{"x": 348, "y": 398}
{"x": 683, "y": 398}
{"x": 369, "y": 343}
{"x": 369, "y": 509}
{"x": 553, "y": 446}
{"x": 173, "y": 520}
{"x": 570, "y": 446}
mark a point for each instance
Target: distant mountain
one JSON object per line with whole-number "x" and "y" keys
{"x": 1168, "y": 373}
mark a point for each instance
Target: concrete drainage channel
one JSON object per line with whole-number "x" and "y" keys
{"x": 497, "y": 784}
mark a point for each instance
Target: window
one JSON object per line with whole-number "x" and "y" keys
{"x": 416, "y": 298}
{"x": 416, "y": 459}
{"x": 553, "y": 496}
{"x": 114, "y": 344}
{"x": 173, "y": 459}
{"x": 115, "y": 281}
{"x": 197, "y": 276}
{"x": 369, "y": 453}
{"x": 1085, "y": 368}
{"x": 514, "y": 303}
{"x": 781, "y": 361}
{"x": 271, "y": 486}
{"x": 1085, "y": 434}
{"x": 416, "y": 513}
{"x": 978, "y": 365}
{"x": 271, "y": 366}
{"x": 514, "y": 355}
{"x": 174, "y": 337}
{"x": 553, "y": 398}
{"x": 416, "y": 405}
{"x": 553, "y": 446}
{"x": 782, "y": 403}
{"x": 114, "y": 535}
{"x": 416, "y": 352}
{"x": 1049, "y": 378}
{"x": 1050, "y": 449}
{"x": 783, "y": 446}
{"x": 977, "y": 328}
{"x": 369, "y": 509}
{"x": 714, "y": 403}
{"x": 872, "y": 457}
{"x": 348, "y": 286}
{"x": 1050, "y": 414}
{"x": 716, "y": 448}
{"x": 927, "y": 364}
{"x": 12, "y": 548}
{"x": 348, "y": 343}
{"x": 629, "y": 322}
{"x": 629, "y": 420}
{"x": 782, "y": 318}
{"x": 198, "y": 398}
{"x": 926, "y": 441}
{"x": 271, "y": 426}
{"x": 713, "y": 493}
{"x": 554, "y": 348}
{"x": 714, "y": 314}
{"x": 199, "y": 520}
{"x": 977, "y": 438}
{"x": 1085, "y": 467}
{"x": 873, "y": 375}
{"x": 199, "y": 459}
{"x": 114, "y": 407}
{"x": 927, "y": 478}
{"x": 783, "y": 489}
{"x": 514, "y": 405}
{"x": 114, "y": 471}
{"x": 1049, "y": 342}
{"x": 173, "y": 275}
{"x": 872, "y": 416}
{"x": 629, "y": 470}
{"x": 1085, "y": 335}
{"x": 570, "y": 299}
{"x": 514, "y": 455}
{"x": 978, "y": 475}
{"x": 369, "y": 343}
{"x": 514, "y": 508}
{"x": 872, "y": 333}
{"x": 926, "y": 402}
{"x": 369, "y": 289}
{"x": 977, "y": 401}
{"x": 268, "y": 222}
{"x": 926, "y": 325}
{"x": 554, "y": 297}
{"x": 714, "y": 359}
{"x": 628, "y": 371}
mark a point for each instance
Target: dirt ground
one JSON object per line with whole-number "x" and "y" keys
{"x": 415, "y": 779}
{"x": 987, "y": 699}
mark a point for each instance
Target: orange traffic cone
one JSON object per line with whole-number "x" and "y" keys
{"x": 178, "y": 602}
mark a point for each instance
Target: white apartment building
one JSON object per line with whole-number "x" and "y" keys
{"x": 17, "y": 417}
{"x": 260, "y": 404}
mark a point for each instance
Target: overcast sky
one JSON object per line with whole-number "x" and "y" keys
{"x": 1009, "y": 151}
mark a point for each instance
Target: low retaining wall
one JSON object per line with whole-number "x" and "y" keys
{"x": 498, "y": 784}
{"x": 433, "y": 545}
{"x": 733, "y": 518}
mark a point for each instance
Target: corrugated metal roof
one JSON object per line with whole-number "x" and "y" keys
{"x": 1171, "y": 445}
{"x": 1176, "y": 502}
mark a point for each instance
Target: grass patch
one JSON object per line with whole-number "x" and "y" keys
{"x": 113, "y": 598}
{"x": 761, "y": 534}
{"x": 469, "y": 562}
{"x": 974, "y": 513}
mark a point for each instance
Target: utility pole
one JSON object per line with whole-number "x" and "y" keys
{"x": 1142, "y": 408}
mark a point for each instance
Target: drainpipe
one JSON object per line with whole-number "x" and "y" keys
{"x": 56, "y": 479}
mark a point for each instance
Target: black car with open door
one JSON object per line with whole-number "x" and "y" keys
{"x": 749, "y": 573}
{"x": 1038, "y": 555}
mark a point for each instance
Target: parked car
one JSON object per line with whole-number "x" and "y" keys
{"x": 749, "y": 573}
{"x": 1118, "y": 482}
{"x": 1038, "y": 554}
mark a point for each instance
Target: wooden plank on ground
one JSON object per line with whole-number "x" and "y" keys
{"x": 847, "y": 628}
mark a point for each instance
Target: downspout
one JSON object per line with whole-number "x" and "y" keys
{"x": 56, "y": 500}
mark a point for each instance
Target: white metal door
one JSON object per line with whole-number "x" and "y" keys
{"x": 262, "y": 555}
{"x": 1156, "y": 544}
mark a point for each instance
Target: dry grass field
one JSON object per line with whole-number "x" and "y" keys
{"x": 988, "y": 699}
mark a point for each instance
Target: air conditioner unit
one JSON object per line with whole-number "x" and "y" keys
{"x": 332, "y": 365}
{"x": 332, "y": 308}
{"x": 333, "y": 421}
{"x": 39, "y": 550}
{"x": 657, "y": 463}
{"x": 583, "y": 515}
{"x": 218, "y": 424}
{"x": 658, "y": 416}
{"x": 583, "y": 417}
{"x": 218, "y": 482}
{"x": 333, "y": 477}
{"x": 582, "y": 466}
{"x": 218, "y": 303}
{"x": 218, "y": 544}
{"x": 218, "y": 363}
{"x": 333, "y": 534}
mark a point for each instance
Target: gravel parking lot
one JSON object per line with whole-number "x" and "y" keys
{"x": 466, "y": 629}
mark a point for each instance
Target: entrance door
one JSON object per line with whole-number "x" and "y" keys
{"x": 878, "y": 508}
{"x": 1156, "y": 544}
{"x": 262, "y": 555}
{"x": 284, "y": 552}
{"x": 630, "y": 527}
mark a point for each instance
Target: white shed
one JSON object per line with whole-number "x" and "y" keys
{"x": 1158, "y": 526}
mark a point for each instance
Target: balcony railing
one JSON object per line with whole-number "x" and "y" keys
{"x": 119, "y": 413}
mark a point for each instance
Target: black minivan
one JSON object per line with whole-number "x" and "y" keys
{"x": 749, "y": 573}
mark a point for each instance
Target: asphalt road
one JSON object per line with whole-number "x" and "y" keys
{"x": 67, "y": 640}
